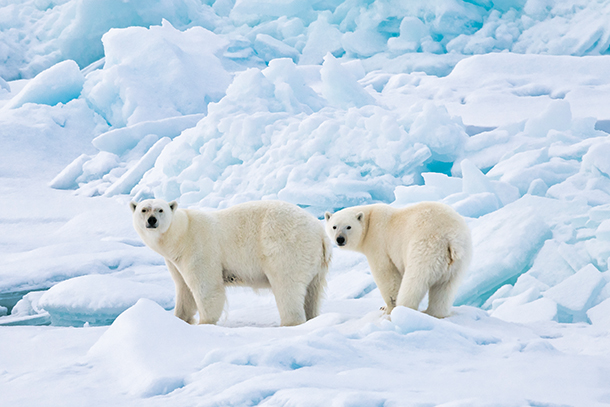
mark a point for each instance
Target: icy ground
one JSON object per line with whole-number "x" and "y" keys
{"x": 496, "y": 108}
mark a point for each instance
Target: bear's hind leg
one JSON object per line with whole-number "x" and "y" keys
{"x": 441, "y": 297}
{"x": 413, "y": 289}
{"x": 290, "y": 299}
{"x": 313, "y": 298}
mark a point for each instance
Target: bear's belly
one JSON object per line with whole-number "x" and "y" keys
{"x": 248, "y": 279}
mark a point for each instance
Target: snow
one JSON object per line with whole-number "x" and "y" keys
{"x": 498, "y": 109}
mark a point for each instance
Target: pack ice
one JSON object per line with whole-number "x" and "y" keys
{"x": 498, "y": 109}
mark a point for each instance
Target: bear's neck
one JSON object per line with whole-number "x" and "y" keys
{"x": 166, "y": 243}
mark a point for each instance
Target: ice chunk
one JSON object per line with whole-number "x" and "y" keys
{"x": 436, "y": 187}
{"x": 291, "y": 87}
{"x": 600, "y": 315}
{"x": 27, "y": 312}
{"x": 340, "y": 87}
{"x": 505, "y": 243}
{"x": 363, "y": 43}
{"x": 59, "y": 84}
{"x": 576, "y": 293}
{"x": 125, "y": 184}
{"x": 550, "y": 267}
{"x": 538, "y": 187}
{"x": 412, "y": 31}
{"x": 4, "y": 85}
{"x": 603, "y": 230}
{"x": 156, "y": 73}
{"x": 526, "y": 307}
{"x": 557, "y": 116}
{"x": 573, "y": 256}
{"x": 597, "y": 157}
{"x": 269, "y": 48}
{"x": 119, "y": 141}
{"x": 474, "y": 182}
{"x": 273, "y": 8}
{"x": 66, "y": 179}
{"x": 98, "y": 299}
{"x": 322, "y": 38}
{"x": 477, "y": 205}
{"x": 443, "y": 134}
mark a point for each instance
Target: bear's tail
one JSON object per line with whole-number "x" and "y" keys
{"x": 315, "y": 289}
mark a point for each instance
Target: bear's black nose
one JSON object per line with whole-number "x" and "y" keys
{"x": 341, "y": 241}
{"x": 152, "y": 222}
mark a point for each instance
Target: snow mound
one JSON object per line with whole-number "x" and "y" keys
{"x": 145, "y": 347}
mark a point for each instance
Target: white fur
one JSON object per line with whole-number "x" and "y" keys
{"x": 411, "y": 251}
{"x": 264, "y": 244}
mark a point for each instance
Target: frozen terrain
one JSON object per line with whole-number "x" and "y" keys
{"x": 497, "y": 108}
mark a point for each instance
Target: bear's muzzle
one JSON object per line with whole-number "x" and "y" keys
{"x": 341, "y": 240}
{"x": 152, "y": 223}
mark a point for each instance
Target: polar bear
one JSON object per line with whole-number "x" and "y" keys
{"x": 423, "y": 248}
{"x": 264, "y": 244}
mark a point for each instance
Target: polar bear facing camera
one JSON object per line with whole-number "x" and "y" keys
{"x": 423, "y": 248}
{"x": 264, "y": 244}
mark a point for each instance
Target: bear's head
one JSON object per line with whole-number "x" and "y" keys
{"x": 345, "y": 228}
{"x": 153, "y": 215}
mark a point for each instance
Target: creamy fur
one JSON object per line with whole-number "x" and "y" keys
{"x": 264, "y": 244}
{"x": 423, "y": 248}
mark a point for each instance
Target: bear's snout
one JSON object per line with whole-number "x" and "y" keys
{"x": 152, "y": 222}
{"x": 341, "y": 240}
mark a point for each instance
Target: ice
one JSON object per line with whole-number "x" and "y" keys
{"x": 59, "y": 84}
{"x": 340, "y": 87}
{"x": 443, "y": 134}
{"x": 600, "y": 314}
{"x": 129, "y": 179}
{"x": 550, "y": 265}
{"x": 139, "y": 81}
{"x": 120, "y": 141}
{"x": 269, "y": 48}
{"x": 98, "y": 299}
{"x": 576, "y": 293}
{"x": 505, "y": 244}
{"x": 498, "y": 109}
{"x": 597, "y": 158}
{"x": 526, "y": 308}
{"x": 322, "y": 38}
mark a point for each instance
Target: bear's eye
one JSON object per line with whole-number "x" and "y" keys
{"x": 334, "y": 227}
{"x": 348, "y": 228}
{"x": 143, "y": 210}
{"x": 160, "y": 210}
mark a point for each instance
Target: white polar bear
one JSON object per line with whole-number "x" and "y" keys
{"x": 422, "y": 248}
{"x": 265, "y": 244}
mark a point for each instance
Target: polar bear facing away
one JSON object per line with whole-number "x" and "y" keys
{"x": 264, "y": 244}
{"x": 423, "y": 248}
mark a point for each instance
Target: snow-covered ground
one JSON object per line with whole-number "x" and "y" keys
{"x": 498, "y": 108}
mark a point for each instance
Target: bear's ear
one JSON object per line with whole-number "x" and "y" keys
{"x": 327, "y": 215}
{"x": 360, "y": 216}
{"x": 133, "y": 206}
{"x": 173, "y": 205}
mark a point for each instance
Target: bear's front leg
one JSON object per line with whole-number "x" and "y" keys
{"x": 388, "y": 278}
{"x": 186, "y": 307}
{"x": 205, "y": 282}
